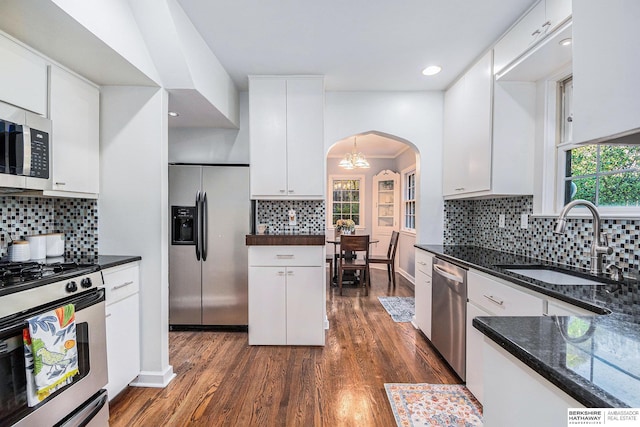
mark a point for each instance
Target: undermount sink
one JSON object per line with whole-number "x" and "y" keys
{"x": 551, "y": 275}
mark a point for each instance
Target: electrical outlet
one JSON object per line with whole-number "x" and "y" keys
{"x": 501, "y": 221}
{"x": 524, "y": 221}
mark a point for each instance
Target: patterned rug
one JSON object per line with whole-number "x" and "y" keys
{"x": 434, "y": 405}
{"x": 401, "y": 309}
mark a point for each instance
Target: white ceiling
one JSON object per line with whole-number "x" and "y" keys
{"x": 372, "y": 145}
{"x": 356, "y": 44}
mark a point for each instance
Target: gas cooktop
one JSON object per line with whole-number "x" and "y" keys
{"x": 19, "y": 276}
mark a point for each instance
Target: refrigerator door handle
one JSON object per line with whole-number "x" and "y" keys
{"x": 198, "y": 226}
{"x": 205, "y": 226}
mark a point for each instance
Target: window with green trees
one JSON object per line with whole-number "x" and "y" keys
{"x": 346, "y": 199}
{"x": 605, "y": 174}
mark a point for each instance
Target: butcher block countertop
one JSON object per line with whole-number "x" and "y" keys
{"x": 302, "y": 239}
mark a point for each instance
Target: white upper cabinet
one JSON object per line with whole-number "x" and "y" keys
{"x": 533, "y": 27}
{"x": 286, "y": 116}
{"x": 23, "y": 77}
{"x": 488, "y": 135}
{"x": 606, "y": 66}
{"x": 75, "y": 118}
{"x": 467, "y": 131}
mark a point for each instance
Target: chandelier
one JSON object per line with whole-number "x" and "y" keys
{"x": 354, "y": 159}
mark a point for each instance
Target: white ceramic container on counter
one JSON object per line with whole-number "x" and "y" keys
{"x": 19, "y": 251}
{"x": 55, "y": 244}
{"x": 38, "y": 246}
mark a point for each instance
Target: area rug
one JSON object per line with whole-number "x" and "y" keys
{"x": 401, "y": 309}
{"x": 434, "y": 405}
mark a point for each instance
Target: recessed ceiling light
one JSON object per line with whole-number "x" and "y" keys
{"x": 432, "y": 70}
{"x": 565, "y": 42}
{"x": 173, "y": 114}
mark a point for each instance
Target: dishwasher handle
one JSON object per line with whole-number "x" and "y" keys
{"x": 441, "y": 271}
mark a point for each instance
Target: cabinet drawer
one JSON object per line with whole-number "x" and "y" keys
{"x": 307, "y": 256}
{"x": 121, "y": 282}
{"x": 500, "y": 299}
{"x": 424, "y": 261}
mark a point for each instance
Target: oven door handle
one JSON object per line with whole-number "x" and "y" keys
{"x": 83, "y": 417}
{"x": 17, "y": 322}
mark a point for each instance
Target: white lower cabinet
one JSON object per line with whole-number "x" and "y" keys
{"x": 122, "y": 285}
{"x": 488, "y": 296}
{"x": 475, "y": 339}
{"x": 423, "y": 289}
{"x": 287, "y": 297}
{"x": 514, "y": 394}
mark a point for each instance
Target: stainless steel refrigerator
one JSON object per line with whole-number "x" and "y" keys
{"x": 210, "y": 217}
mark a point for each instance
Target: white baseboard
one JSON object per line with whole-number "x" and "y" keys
{"x": 407, "y": 276}
{"x": 154, "y": 379}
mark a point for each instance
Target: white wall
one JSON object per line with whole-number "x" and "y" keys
{"x": 413, "y": 116}
{"x": 405, "y": 255}
{"x": 133, "y": 208}
{"x": 211, "y": 145}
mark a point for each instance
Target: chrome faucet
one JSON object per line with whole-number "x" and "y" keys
{"x": 599, "y": 244}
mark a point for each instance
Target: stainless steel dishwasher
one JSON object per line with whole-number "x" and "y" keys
{"x": 448, "y": 313}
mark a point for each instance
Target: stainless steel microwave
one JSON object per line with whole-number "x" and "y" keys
{"x": 25, "y": 150}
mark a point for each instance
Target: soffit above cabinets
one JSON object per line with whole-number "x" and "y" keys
{"x": 45, "y": 27}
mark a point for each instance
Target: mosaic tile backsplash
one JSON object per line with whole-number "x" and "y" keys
{"x": 310, "y": 215}
{"x": 76, "y": 218}
{"x": 475, "y": 222}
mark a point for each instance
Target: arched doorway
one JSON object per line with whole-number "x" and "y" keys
{"x": 380, "y": 198}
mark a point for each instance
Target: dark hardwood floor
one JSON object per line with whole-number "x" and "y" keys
{"x": 222, "y": 381}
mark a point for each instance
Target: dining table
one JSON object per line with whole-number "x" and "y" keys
{"x": 349, "y": 276}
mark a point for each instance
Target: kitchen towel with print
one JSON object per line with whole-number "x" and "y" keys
{"x": 50, "y": 351}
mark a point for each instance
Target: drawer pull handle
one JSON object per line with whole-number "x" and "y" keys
{"x": 107, "y": 315}
{"x": 290, "y": 273}
{"x": 280, "y": 273}
{"x": 284, "y": 256}
{"x": 491, "y": 298}
{"x": 422, "y": 263}
{"x": 122, "y": 286}
{"x": 61, "y": 183}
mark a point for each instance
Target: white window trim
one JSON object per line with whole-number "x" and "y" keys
{"x": 549, "y": 200}
{"x": 403, "y": 189}
{"x": 363, "y": 217}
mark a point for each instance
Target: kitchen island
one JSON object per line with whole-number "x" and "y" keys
{"x": 287, "y": 289}
{"x": 593, "y": 359}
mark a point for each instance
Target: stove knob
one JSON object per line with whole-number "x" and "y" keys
{"x": 71, "y": 286}
{"x": 86, "y": 282}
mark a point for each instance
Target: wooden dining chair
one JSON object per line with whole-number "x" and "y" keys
{"x": 390, "y": 259}
{"x": 350, "y": 247}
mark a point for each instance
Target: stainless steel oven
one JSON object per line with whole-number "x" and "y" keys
{"x": 81, "y": 403}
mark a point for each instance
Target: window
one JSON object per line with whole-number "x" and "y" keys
{"x": 409, "y": 200}
{"x": 606, "y": 174}
{"x": 347, "y": 198}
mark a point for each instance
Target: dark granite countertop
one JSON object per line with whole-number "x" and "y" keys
{"x": 595, "y": 360}
{"x": 108, "y": 261}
